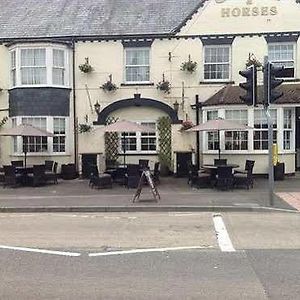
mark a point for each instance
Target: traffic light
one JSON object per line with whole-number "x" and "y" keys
{"x": 250, "y": 86}
{"x": 271, "y": 82}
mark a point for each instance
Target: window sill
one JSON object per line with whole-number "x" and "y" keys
{"x": 40, "y": 154}
{"x": 39, "y": 86}
{"x": 216, "y": 82}
{"x": 137, "y": 153}
{"x": 137, "y": 83}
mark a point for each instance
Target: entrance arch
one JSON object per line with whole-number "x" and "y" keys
{"x": 136, "y": 102}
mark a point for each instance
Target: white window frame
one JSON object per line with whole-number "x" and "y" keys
{"x": 18, "y": 142}
{"x": 239, "y": 133}
{"x": 287, "y": 60}
{"x": 125, "y": 65}
{"x": 139, "y": 136}
{"x": 265, "y": 130}
{"x": 218, "y": 63}
{"x": 49, "y": 64}
{"x": 291, "y": 130}
{"x": 280, "y": 130}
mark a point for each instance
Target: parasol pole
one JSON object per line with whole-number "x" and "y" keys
{"x": 124, "y": 148}
{"x": 219, "y": 144}
{"x": 25, "y": 139}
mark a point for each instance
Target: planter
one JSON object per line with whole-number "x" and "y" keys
{"x": 68, "y": 172}
{"x": 164, "y": 170}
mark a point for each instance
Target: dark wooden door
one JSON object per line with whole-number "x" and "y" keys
{"x": 183, "y": 158}
{"x": 88, "y": 160}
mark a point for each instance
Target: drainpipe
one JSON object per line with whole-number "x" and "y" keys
{"x": 198, "y": 106}
{"x": 74, "y": 108}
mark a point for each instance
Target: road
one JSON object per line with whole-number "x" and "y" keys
{"x": 150, "y": 256}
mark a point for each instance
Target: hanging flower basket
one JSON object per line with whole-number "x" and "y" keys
{"x": 189, "y": 66}
{"x": 164, "y": 85}
{"x": 84, "y": 128}
{"x": 86, "y": 67}
{"x": 186, "y": 125}
{"x": 109, "y": 86}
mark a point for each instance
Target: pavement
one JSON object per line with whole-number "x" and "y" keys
{"x": 176, "y": 195}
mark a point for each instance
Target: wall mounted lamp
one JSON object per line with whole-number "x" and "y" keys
{"x": 97, "y": 107}
{"x": 176, "y": 106}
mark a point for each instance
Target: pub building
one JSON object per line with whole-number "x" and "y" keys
{"x": 72, "y": 68}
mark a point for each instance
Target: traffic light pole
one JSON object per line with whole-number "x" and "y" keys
{"x": 270, "y": 147}
{"x": 270, "y": 133}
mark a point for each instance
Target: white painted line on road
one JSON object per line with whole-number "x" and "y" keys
{"x": 222, "y": 234}
{"x": 40, "y": 251}
{"x": 147, "y": 250}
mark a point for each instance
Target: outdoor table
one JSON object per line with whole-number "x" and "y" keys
{"x": 213, "y": 169}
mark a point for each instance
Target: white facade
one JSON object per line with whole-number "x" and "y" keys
{"x": 219, "y": 37}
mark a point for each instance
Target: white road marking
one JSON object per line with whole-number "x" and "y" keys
{"x": 40, "y": 251}
{"x": 147, "y": 250}
{"x": 222, "y": 234}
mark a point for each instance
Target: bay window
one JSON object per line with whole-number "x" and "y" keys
{"x": 260, "y": 134}
{"x": 212, "y": 137}
{"x": 59, "y": 130}
{"x": 236, "y": 140}
{"x": 137, "y": 65}
{"x": 287, "y": 129}
{"x": 217, "y": 62}
{"x": 36, "y": 66}
{"x": 38, "y": 144}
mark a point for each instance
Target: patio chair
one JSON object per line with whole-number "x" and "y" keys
{"x": 119, "y": 175}
{"x": 49, "y": 164}
{"x": 155, "y": 173}
{"x": 11, "y": 178}
{"x": 99, "y": 181}
{"x": 132, "y": 176}
{"x": 17, "y": 163}
{"x": 144, "y": 163}
{"x": 1, "y": 175}
{"x": 224, "y": 178}
{"x": 220, "y": 162}
{"x": 38, "y": 177}
{"x": 51, "y": 175}
{"x": 245, "y": 178}
{"x": 192, "y": 174}
{"x": 198, "y": 179}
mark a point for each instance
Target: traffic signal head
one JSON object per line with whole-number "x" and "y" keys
{"x": 274, "y": 82}
{"x": 271, "y": 81}
{"x": 250, "y": 86}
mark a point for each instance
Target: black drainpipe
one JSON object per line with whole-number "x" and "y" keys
{"x": 197, "y": 106}
{"x": 74, "y": 109}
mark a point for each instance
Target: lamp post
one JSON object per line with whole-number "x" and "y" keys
{"x": 197, "y": 106}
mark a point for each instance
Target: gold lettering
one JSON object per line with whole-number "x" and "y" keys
{"x": 225, "y": 12}
{"x": 236, "y": 12}
{"x": 255, "y": 11}
{"x": 273, "y": 11}
{"x": 264, "y": 11}
{"x": 246, "y": 11}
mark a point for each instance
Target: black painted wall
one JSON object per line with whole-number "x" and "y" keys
{"x": 45, "y": 101}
